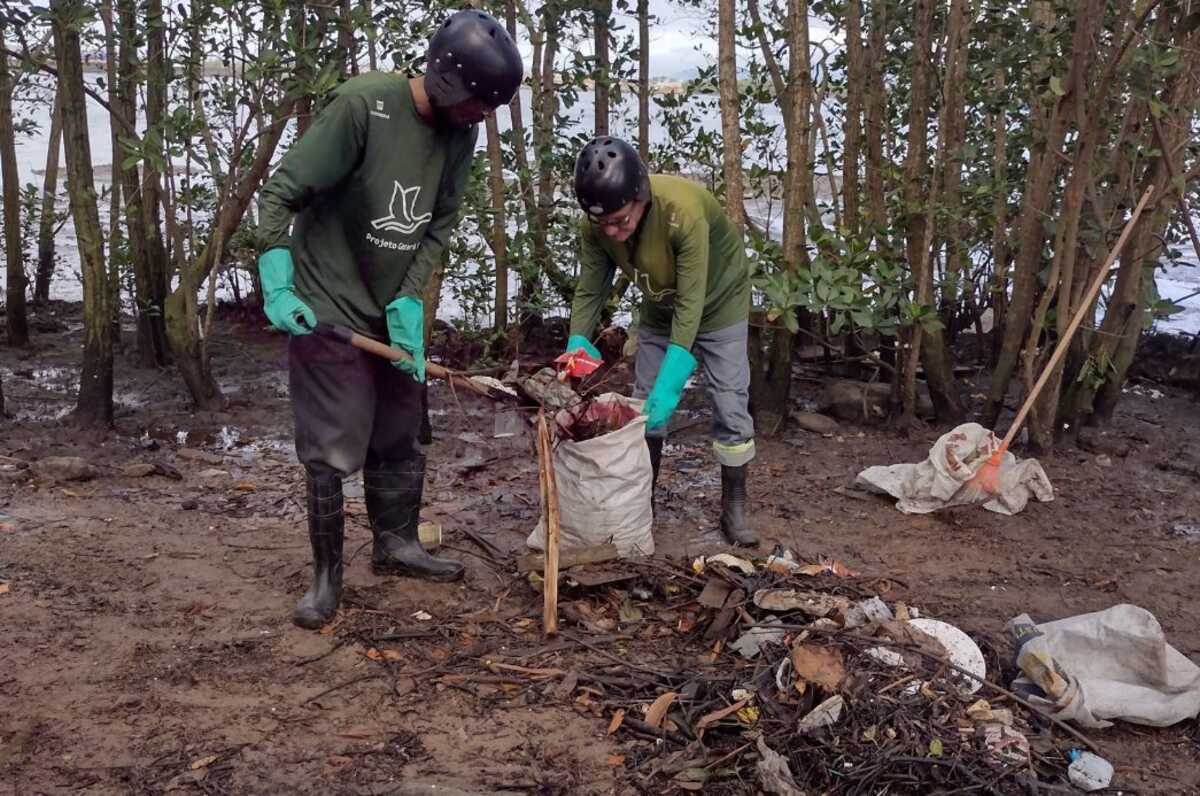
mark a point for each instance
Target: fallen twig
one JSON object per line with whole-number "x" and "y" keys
{"x": 344, "y": 684}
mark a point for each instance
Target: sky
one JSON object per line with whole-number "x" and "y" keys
{"x": 681, "y": 39}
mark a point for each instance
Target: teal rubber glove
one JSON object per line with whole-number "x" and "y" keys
{"x": 677, "y": 367}
{"x": 284, "y": 309}
{"x": 406, "y": 329}
{"x": 578, "y": 342}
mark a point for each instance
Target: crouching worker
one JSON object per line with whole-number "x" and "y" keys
{"x": 672, "y": 239}
{"x": 375, "y": 187}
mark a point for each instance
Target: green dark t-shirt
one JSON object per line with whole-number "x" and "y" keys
{"x": 375, "y": 191}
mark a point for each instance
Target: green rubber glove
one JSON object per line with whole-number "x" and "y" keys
{"x": 406, "y": 329}
{"x": 677, "y": 367}
{"x": 284, "y": 309}
{"x": 578, "y": 342}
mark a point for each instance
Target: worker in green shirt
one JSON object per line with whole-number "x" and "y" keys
{"x": 670, "y": 238}
{"x": 372, "y": 192}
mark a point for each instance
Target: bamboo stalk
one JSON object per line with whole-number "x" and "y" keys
{"x": 550, "y": 516}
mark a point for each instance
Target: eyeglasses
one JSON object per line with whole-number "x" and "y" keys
{"x": 612, "y": 223}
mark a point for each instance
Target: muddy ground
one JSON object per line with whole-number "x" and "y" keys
{"x": 147, "y": 645}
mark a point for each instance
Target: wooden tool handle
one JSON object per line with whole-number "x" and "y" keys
{"x": 389, "y": 352}
{"x": 394, "y": 354}
{"x": 1084, "y": 306}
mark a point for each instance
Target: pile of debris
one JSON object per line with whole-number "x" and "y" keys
{"x": 805, "y": 680}
{"x": 731, "y": 675}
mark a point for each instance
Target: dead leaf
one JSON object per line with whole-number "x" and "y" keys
{"x": 717, "y": 715}
{"x": 616, "y": 760}
{"x": 3, "y": 588}
{"x": 838, "y": 568}
{"x": 617, "y": 720}
{"x": 822, "y": 666}
{"x": 204, "y": 761}
{"x": 384, "y": 655}
{"x": 658, "y": 709}
{"x": 244, "y": 486}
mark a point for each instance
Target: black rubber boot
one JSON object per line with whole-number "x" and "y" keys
{"x": 393, "y": 493}
{"x": 733, "y": 507}
{"x": 326, "y": 531}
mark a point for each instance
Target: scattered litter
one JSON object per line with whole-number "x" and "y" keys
{"x": 825, "y": 714}
{"x": 828, "y": 566}
{"x": 545, "y": 389}
{"x": 430, "y": 534}
{"x": 866, "y": 612}
{"x": 1109, "y": 665}
{"x": 813, "y": 603}
{"x": 422, "y": 616}
{"x": 773, "y": 772}
{"x": 1089, "y": 772}
{"x": 749, "y": 645}
{"x": 782, "y": 561}
{"x": 1186, "y": 530}
{"x": 885, "y": 655}
{"x": 576, "y": 365}
{"x": 493, "y": 383}
{"x": 731, "y": 561}
{"x": 954, "y": 459}
{"x": 1149, "y": 392}
{"x": 960, "y": 651}
{"x": 996, "y": 728}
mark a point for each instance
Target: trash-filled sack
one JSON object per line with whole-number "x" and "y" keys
{"x": 1109, "y": 665}
{"x": 937, "y": 482}
{"x": 604, "y": 478}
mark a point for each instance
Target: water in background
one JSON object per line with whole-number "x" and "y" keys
{"x": 1174, "y": 283}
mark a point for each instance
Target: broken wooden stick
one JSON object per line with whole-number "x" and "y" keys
{"x": 545, "y": 449}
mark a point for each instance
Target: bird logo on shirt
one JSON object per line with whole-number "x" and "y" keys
{"x": 405, "y": 223}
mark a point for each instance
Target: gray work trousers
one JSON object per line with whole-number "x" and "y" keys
{"x": 725, "y": 362}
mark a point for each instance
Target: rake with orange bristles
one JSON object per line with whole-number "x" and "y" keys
{"x": 985, "y": 484}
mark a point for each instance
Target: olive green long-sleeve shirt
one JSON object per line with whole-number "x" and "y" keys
{"x": 687, "y": 258}
{"x": 375, "y": 191}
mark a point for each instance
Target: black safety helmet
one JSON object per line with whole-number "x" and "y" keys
{"x": 609, "y": 175}
{"x": 472, "y": 55}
